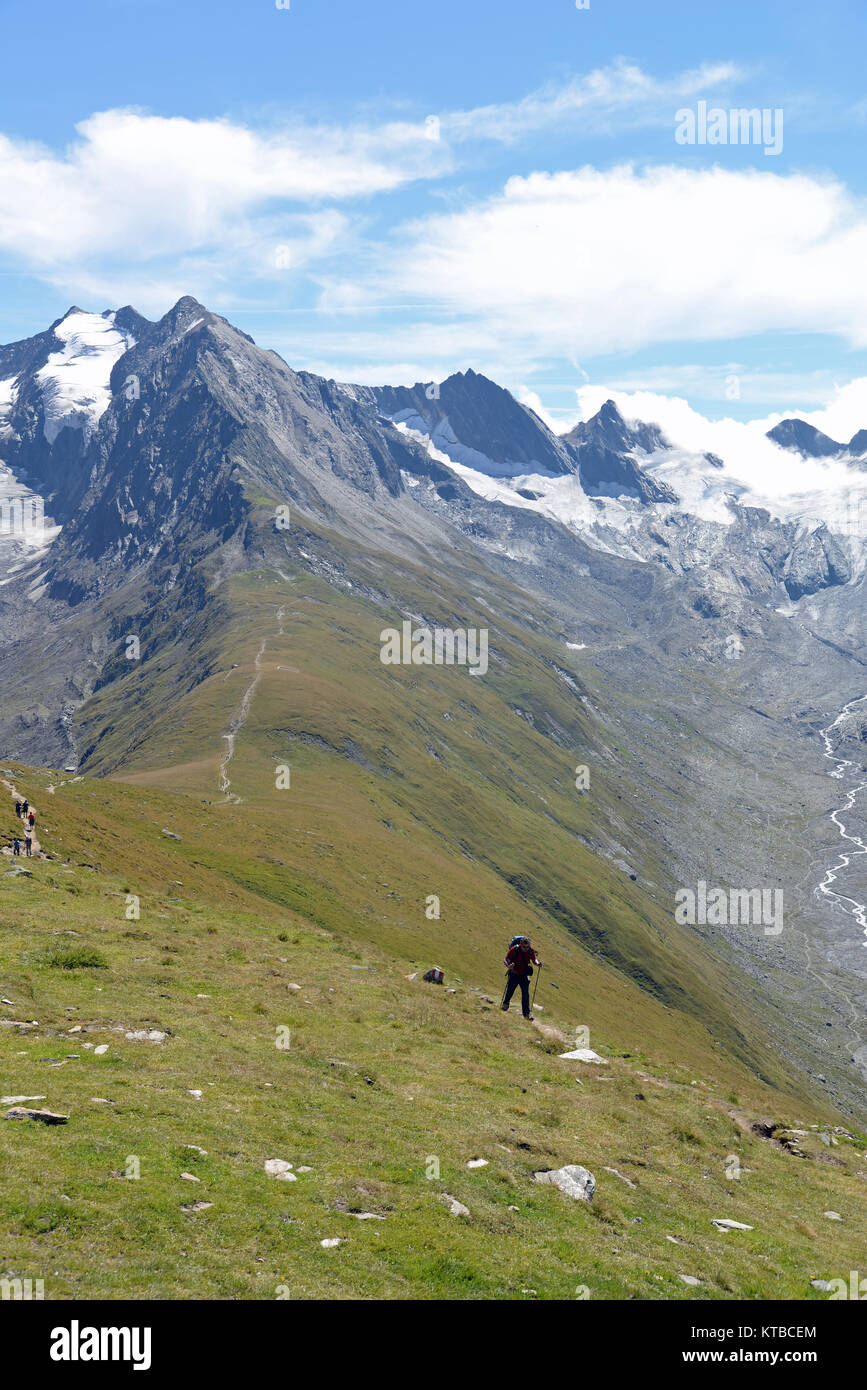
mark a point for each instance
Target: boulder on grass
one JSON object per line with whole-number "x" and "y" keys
{"x": 574, "y": 1180}
{"x": 47, "y": 1117}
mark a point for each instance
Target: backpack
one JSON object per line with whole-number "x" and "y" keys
{"x": 516, "y": 941}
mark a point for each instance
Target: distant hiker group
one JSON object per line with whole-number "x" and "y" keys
{"x": 23, "y": 812}
{"x": 519, "y": 962}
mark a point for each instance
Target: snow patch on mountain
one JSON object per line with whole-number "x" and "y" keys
{"x": 810, "y": 493}
{"x": 703, "y": 491}
{"x": 75, "y": 380}
{"x": 8, "y": 392}
{"x": 561, "y": 498}
{"x": 443, "y": 438}
{"x": 24, "y": 530}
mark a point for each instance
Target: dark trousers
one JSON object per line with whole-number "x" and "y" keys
{"x": 511, "y": 985}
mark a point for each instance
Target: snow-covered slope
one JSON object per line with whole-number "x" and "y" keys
{"x": 685, "y": 503}
{"x": 75, "y": 379}
{"x": 8, "y": 391}
{"x": 604, "y": 521}
{"x": 789, "y": 486}
{"x": 447, "y": 445}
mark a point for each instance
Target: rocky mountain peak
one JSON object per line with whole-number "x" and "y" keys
{"x": 805, "y": 439}
{"x": 609, "y": 429}
{"x": 604, "y": 447}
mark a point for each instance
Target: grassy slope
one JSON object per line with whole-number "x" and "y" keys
{"x": 430, "y": 750}
{"x": 324, "y": 885}
{"x": 381, "y": 1074}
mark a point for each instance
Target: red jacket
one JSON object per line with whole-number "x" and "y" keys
{"x": 518, "y": 959}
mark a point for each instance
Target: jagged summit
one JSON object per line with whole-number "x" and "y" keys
{"x": 858, "y": 443}
{"x": 604, "y": 447}
{"x": 805, "y": 439}
{"x": 609, "y": 428}
{"x": 477, "y": 423}
{"x": 185, "y": 311}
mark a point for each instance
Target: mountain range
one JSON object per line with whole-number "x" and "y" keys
{"x": 677, "y": 623}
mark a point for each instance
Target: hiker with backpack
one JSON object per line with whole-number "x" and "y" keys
{"x": 32, "y": 819}
{"x": 18, "y": 809}
{"x": 520, "y": 959}
{"x": 28, "y": 844}
{"x": 16, "y": 847}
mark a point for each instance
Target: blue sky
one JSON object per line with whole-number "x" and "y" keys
{"x": 392, "y": 191}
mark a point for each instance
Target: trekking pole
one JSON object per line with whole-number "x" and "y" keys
{"x": 536, "y": 985}
{"x": 505, "y": 987}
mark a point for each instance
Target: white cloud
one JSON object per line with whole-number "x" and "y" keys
{"x": 592, "y": 261}
{"x": 399, "y": 353}
{"x": 846, "y": 414}
{"x": 209, "y": 199}
{"x": 734, "y": 440}
{"x": 206, "y": 197}
{"x": 568, "y": 265}
{"x": 727, "y": 381}
{"x": 606, "y": 99}
{"x": 693, "y": 381}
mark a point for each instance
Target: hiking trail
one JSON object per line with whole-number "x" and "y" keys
{"x": 239, "y": 718}
{"x": 19, "y": 796}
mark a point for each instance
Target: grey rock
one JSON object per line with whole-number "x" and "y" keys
{"x": 46, "y": 1117}
{"x": 279, "y": 1168}
{"x": 574, "y": 1180}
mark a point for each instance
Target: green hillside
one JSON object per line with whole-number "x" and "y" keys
{"x": 295, "y": 915}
